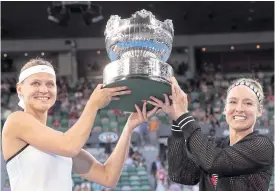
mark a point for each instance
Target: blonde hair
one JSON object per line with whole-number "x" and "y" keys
{"x": 254, "y": 85}
{"x": 36, "y": 62}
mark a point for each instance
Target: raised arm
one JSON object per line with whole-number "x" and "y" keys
{"x": 181, "y": 167}
{"x": 108, "y": 174}
{"x": 27, "y": 128}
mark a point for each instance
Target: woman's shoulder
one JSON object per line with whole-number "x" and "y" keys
{"x": 258, "y": 141}
{"x": 12, "y": 123}
{"x": 264, "y": 139}
{"x": 15, "y": 119}
{"x": 256, "y": 135}
{"x": 15, "y": 116}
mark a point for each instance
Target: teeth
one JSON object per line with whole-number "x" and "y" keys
{"x": 239, "y": 118}
{"x": 43, "y": 98}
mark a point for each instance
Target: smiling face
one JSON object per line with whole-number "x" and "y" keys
{"x": 39, "y": 91}
{"x": 242, "y": 108}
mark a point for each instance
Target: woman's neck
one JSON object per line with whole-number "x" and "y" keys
{"x": 236, "y": 136}
{"x": 40, "y": 116}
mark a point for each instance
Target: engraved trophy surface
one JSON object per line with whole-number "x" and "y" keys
{"x": 138, "y": 48}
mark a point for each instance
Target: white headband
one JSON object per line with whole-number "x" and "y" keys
{"x": 30, "y": 71}
{"x": 35, "y": 69}
{"x": 251, "y": 86}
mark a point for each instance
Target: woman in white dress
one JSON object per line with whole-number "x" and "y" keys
{"x": 41, "y": 158}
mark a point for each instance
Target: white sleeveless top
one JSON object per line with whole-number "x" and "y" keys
{"x": 33, "y": 170}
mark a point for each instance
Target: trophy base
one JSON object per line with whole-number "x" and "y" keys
{"x": 142, "y": 89}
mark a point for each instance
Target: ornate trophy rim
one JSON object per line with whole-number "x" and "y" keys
{"x": 143, "y": 15}
{"x": 142, "y": 26}
{"x": 140, "y": 67}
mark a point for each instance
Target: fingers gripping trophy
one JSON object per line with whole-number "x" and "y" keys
{"x": 138, "y": 47}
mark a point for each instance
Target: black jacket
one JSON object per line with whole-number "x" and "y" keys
{"x": 193, "y": 158}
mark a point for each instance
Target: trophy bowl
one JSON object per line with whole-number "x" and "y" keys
{"x": 138, "y": 48}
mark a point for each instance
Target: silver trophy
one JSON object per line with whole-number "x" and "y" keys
{"x": 138, "y": 47}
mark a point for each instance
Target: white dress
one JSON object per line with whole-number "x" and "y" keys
{"x": 33, "y": 170}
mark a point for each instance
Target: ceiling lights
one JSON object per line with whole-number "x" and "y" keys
{"x": 61, "y": 11}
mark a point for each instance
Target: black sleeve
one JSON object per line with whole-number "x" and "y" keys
{"x": 248, "y": 155}
{"x": 181, "y": 167}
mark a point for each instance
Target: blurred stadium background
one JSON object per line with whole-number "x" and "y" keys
{"x": 214, "y": 43}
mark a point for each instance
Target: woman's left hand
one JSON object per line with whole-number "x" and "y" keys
{"x": 139, "y": 117}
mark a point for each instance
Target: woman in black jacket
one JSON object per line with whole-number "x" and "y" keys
{"x": 243, "y": 161}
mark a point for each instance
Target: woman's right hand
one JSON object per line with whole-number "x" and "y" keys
{"x": 102, "y": 97}
{"x": 165, "y": 107}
